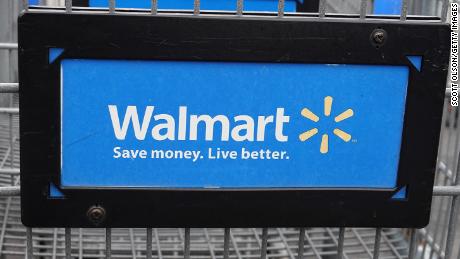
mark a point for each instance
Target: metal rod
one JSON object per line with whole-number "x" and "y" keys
{"x": 11, "y": 135}
{"x": 446, "y": 190}
{"x": 285, "y": 243}
{"x": 211, "y": 246}
{"x": 4, "y": 223}
{"x": 437, "y": 190}
{"x": 8, "y": 45}
{"x": 149, "y": 244}
{"x": 8, "y": 110}
{"x": 29, "y": 244}
{"x": 112, "y": 6}
{"x": 132, "y": 243}
{"x": 322, "y": 8}
{"x": 68, "y": 6}
{"x": 332, "y": 237}
{"x": 451, "y": 227}
{"x": 154, "y": 7}
{"x": 187, "y": 243}
{"x": 363, "y": 9}
{"x": 13, "y": 171}
{"x": 108, "y": 243}
{"x": 301, "y": 243}
{"x": 10, "y": 191}
{"x": 444, "y": 178}
{"x": 234, "y": 243}
{"x": 394, "y": 250}
{"x": 448, "y": 215}
{"x": 68, "y": 243}
{"x": 226, "y": 242}
{"x": 452, "y": 221}
{"x": 263, "y": 250}
{"x": 312, "y": 245}
{"x": 448, "y": 92}
{"x": 444, "y": 10}
{"x": 280, "y": 8}
{"x": 25, "y": 5}
{"x": 157, "y": 242}
{"x": 413, "y": 243}
{"x": 354, "y": 231}
{"x": 196, "y": 7}
{"x": 53, "y": 251}
{"x": 239, "y": 7}
{"x": 378, "y": 235}
{"x": 430, "y": 241}
{"x": 404, "y": 7}
{"x": 80, "y": 243}
{"x": 9, "y": 87}
{"x": 10, "y": 153}
{"x": 340, "y": 243}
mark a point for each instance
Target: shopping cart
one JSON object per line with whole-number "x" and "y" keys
{"x": 438, "y": 240}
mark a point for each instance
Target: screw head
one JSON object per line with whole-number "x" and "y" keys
{"x": 378, "y": 37}
{"x": 96, "y": 214}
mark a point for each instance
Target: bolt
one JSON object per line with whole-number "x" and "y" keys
{"x": 96, "y": 214}
{"x": 378, "y": 36}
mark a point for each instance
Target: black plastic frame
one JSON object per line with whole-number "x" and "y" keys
{"x": 226, "y": 38}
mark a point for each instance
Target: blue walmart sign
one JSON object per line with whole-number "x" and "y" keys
{"x": 173, "y": 124}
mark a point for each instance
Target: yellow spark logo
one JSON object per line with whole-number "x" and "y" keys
{"x": 324, "y": 147}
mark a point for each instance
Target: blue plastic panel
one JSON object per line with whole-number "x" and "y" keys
{"x": 361, "y": 115}
{"x": 387, "y": 6}
{"x": 416, "y": 61}
{"x": 55, "y": 192}
{"x": 401, "y": 194}
{"x": 230, "y": 5}
{"x": 54, "y": 53}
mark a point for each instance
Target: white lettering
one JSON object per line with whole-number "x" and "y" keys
{"x": 169, "y": 125}
{"x": 209, "y": 125}
{"x": 247, "y": 127}
{"x": 242, "y": 128}
{"x": 280, "y": 120}
{"x": 130, "y": 115}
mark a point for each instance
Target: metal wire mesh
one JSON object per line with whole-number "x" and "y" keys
{"x": 438, "y": 240}
{"x": 204, "y": 243}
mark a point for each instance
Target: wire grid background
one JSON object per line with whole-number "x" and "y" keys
{"x": 438, "y": 240}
